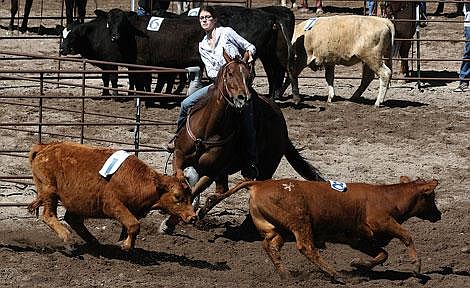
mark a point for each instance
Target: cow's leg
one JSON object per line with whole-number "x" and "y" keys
{"x": 113, "y": 77}
{"x": 304, "y": 243}
{"x": 440, "y": 8}
{"x": 367, "y": 77}
{"x": 27, "y": 9}
{"x": 76, "y": 222}
{"x": 50, "y": 214}
{"x": 182, "y": 83}
{"x": 330, "y": 79}
{"x": 170, "y": 83}
{"x": 385, "y": 74}
{"x": 105, "y": 78}
{"x": 113, "y": 208}
{"x": 379, "y": 256}
{"x": 401, "y": 233}
{"x": 405, "y": 47}
{"x": 272, "y": 244}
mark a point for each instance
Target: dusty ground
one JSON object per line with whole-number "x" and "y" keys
{"x": 421, "y": 133}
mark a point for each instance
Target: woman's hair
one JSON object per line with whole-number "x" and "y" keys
{"x": 209, "y": 9}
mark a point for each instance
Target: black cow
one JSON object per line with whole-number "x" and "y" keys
{"x": 174, "y": 45}
{"x": 92, "y": 41}
{"x": 269, "y": 29}
{"x": 69, "y": 6}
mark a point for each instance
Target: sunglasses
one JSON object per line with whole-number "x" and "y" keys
{"x": 207, "y": 17}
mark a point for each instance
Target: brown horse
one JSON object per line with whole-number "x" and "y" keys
{"x": 402, "y": 10}
{"x": 212, "y": 141}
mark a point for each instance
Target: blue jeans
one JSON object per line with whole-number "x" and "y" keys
{"x": 188, "y": 102}
{"x": 370, "y": 3}
{"x": 465, "y": 67}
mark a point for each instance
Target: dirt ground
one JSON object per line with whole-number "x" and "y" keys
{"x": 418, "y": 132}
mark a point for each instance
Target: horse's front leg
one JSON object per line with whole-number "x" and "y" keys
{"x": 221, "y": 186}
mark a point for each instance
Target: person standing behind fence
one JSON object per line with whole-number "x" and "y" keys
{"x": 465, "y": 67}
{"x": 318, "y": 4}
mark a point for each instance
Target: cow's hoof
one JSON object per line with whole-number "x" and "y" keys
{"x": 338, "y": 280}
{"x": 360, "y": 264}
{"x": 417, "y": 266}
{"x": 285, "y": 275}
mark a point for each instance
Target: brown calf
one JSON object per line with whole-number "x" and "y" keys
{"x": 366, "y": 217}
{"x": 68, "y": 172}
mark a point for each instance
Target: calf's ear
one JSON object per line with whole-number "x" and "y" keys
{"x": 428, "y": 187}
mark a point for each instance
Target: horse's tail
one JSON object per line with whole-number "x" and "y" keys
{"x": 215, "y": 199}
{"x": 305, "y": 169}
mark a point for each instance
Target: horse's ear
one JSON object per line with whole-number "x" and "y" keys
{"x": 227, "y": 57}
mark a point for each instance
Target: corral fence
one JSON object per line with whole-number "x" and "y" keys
{"x": 33, "y": 114}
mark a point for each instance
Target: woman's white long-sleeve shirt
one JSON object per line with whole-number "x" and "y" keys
{"x": 225, "y": 37}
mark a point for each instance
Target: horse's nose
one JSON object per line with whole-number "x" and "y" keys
{"x": 241, "y": 97}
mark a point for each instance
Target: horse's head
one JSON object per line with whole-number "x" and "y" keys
{"x": 395, "y": 9}
{"x": 234, "y": 81}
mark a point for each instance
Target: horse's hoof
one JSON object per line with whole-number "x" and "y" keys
{"x": 166, "y": 228}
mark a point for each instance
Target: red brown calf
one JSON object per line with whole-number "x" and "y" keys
{"x": 365, "y": 216}
{"x": 68, "y": 172}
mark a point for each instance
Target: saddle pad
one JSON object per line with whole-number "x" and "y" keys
{"x": 193, "y": 12}
{"x": 310, "y": 23}
{"x": 113, "y": 163}
{"x": 338, "y": 186}
{"x": 155, "y": 23}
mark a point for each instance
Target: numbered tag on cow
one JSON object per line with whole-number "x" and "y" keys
{"x": 194, "y": 12}
{"x": 310, "y": 23}
{"x": 338, "y": 186}
{"x": 155, "y": 23}
{"x": 113, "y": 163}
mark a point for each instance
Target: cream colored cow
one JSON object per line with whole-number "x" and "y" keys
{"x": 344, "y": 40}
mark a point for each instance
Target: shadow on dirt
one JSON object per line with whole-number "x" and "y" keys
{"x": 431, "y": 79}
{"x": 138, "y": 256}
{"x": 41, "y": 30}
{"x": 284, "y": 102}
{"x": 368, "y": 275}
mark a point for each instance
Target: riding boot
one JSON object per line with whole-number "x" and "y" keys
{"x": 250, "y": 171}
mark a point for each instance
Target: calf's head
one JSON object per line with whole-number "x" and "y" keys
{"x": 116, "y": 22}
{"x": 70, "y": 41}
{"x": 425, "y": 207}
{"x": 175, "y": 198}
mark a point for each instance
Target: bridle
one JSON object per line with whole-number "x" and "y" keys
{"x": 225, "y": 88}
{"x": 224, "y": 92}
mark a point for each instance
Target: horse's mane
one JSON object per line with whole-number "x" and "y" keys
{"x": 201, "y": 102}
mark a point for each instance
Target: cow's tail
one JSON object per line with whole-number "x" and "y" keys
{"x": 215, "y": 199}
{"x": 305, "y": 169}
{"x": 395, "y": 46}
{"x": 290, "y": 51}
